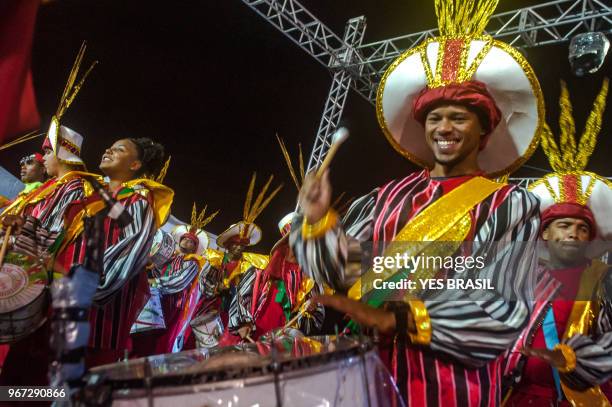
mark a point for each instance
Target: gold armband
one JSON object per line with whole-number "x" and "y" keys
{"x": 570, "y": 358}
{"x": 321, "y": 227}
{"x": 422, "y": 323}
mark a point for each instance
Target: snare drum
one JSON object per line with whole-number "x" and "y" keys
{"x": 207, "y": 329}
{"x": 162, "y": 249}
{"x": 152, "y": 315}
{"x": 24, "y": 296}
{"x": 312, "y": 372}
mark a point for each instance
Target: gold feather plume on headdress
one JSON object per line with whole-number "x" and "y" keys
{"x": 197, "y": 219}
{"x": 567, "y": 157}
{"x": 253, "y": 209}
{"x": 162, "y": 174}
{"x": 73, "y": 87}
{"x": 297, "y": 181}
{"x": 458, "y": 18}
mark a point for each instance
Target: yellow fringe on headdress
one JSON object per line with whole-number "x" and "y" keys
{"x": 253, "y": 209}
{"x": 457, "y": 18}
{"x": 21, "y": 139}
{"x": 296, "y": 181}
{"x": 567, "y": 157}
{"x": 197, "y": 219}
{"x": 71, "y": 90}
{"x": 162, "y": 174}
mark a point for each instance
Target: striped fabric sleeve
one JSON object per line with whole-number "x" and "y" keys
{"x": 209, "y": 281}
{"x": 476, "y": 326}
{"x": 240, "y": 306}
{"x": 180, "y": 279}
{"x": 594, "y": 352}
{"x": 128, "y": 257}
{"x": 53, "y": 220}
{"x": 324, "y": 259}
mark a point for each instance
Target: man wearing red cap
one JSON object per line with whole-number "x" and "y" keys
{"x": 32, "y": 173}
{"x": 219, "y": 284}
{"x": 467, "y": 108}
{"x": 565, "y": 352}
{"x": 268, "y": 299}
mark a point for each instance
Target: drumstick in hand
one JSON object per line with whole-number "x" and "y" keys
{"x": 338, "y": 138}
{"x": 7, "y": 236}
{"x": 297, "y": 316}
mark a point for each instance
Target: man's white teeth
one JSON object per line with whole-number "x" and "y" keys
{"x": 446, "y": 142}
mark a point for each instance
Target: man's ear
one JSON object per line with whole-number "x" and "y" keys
{"x": 546, "y": 234}
{"x": 136, "y": 165}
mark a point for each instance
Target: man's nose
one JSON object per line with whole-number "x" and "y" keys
{"x": 445, "y": 126}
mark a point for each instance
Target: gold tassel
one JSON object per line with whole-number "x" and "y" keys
{"x": 162, "y": 174}
{"x": 301, "y": 158}
{"x": 281, "y": 143}
{"x": 551, "y": 149}
{"x": 258, "y": 200}
{"x": 458, "y": 18}
{"x": 252, "y": 210}
{"x": 22, "y": 139}
{"x": 567, "y": 127}
{"x": 249, "y": 197}
{"x": 194, "y": 216}
{"x": 208, "y": 220}
{"x": 71, "y": 90}
{"x": 592, "y": 128}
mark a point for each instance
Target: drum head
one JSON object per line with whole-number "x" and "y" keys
{"x": 21, "y": 282}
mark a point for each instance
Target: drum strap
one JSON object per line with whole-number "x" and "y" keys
{"x": 75, "y": 314}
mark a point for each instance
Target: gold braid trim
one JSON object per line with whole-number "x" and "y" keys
{"x": 319, "y": 229}
{"x": 570, "y": 358}
{"x": 422, "y": 323}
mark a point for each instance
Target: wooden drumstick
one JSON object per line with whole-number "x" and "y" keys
{"x": 338, "y": 138}
{"x": 7, "y": 236}
{"x": 248, "y": 338}
{"x": 297, "y": 316}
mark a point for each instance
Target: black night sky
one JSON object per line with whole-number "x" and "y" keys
{"x": 214, "y": 82}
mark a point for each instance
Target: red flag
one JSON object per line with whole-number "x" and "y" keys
{"x": 18, "y": 112}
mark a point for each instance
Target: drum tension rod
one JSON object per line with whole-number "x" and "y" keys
{"x": 276, "y": 370}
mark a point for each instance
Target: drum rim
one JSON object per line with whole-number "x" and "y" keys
{"x": 285, "y": 366}
{"x": 45, "y": 298}
{"x": 158, "y": 390}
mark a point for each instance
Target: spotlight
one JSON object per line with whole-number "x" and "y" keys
{"x": 587, "y": 52}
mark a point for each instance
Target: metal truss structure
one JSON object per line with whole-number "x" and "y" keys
{"x": 360, "y": 66}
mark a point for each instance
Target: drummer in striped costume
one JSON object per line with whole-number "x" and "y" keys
{"x": 130, "y": 165}
{"x": 467, "y": 108}
{"x": 272, "y": 297}
{"x": 178, "y": 284}
{"x": 566, "y": 350}
{"x": 219, "y": 284}
{"x": 279, "y": 293}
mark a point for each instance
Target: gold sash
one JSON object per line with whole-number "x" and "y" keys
{"x": 580, "y": 322}
{"x": 446, "y": 220}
